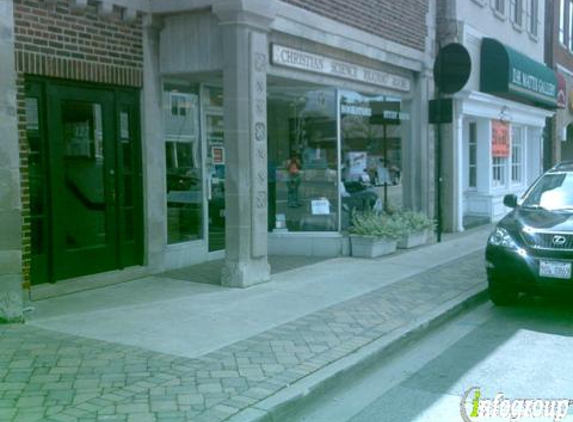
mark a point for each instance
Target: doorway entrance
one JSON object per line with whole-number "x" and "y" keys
{"x": 85, "y": 179}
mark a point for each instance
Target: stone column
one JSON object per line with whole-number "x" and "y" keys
{"x": 153, "y": 147}
{"x": 244, "y": 27}
{"x": 10, "y": 203}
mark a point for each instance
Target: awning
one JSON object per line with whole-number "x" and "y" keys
{"x": 510, "y": 74}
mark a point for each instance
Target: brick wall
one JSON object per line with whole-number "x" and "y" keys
{"x": 81, "y": 45}
{"x": 402, "y": 21}
{"x": 55, "y": 41}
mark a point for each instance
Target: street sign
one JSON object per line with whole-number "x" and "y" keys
{"x": 440, "y": 111}
{"x": 452, "y": 68}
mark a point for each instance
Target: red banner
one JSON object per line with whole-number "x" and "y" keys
{"x": 499, "y": 138}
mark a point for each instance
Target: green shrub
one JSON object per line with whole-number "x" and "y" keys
{"x": 414, "y": 221}
{"x": 370, "y": 223}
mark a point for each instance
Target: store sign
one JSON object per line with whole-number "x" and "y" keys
{"x": 508, "y": 73}
{"x": 320, "y": 206}
{"x": 289, "y": 57}
{"x": 499, "y": 138}
{"x": 355, "y": 110}
{"x": 523, "y": 80}
{"x": 218, "y": 154}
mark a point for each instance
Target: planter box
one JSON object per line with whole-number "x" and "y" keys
{"x": 412, "y": 240}
{"x": 370, "y": 246}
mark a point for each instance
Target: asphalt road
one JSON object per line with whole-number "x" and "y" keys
{"x": 524, "y": 352}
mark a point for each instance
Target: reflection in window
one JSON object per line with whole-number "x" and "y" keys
{"x": 183, "y": 163}
{"x": 303, "y": 159}
{"x": 371, "y": 151}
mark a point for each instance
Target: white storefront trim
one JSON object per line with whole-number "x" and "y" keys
{"x": 489, "y": 106}
{"x": 487, "y": 199}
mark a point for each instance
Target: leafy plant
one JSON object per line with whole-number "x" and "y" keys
{"x": 370, "y": 223}
{"x": 414, "y": 221}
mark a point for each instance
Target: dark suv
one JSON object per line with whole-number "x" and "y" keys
{"x": 531, "y": 248}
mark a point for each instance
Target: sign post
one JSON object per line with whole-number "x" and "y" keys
{"x": 452, "y": 69}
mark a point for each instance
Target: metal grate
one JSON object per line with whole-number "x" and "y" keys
{"x": 557, "y": 241}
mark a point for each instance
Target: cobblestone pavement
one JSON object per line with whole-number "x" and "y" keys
{"x": 53, "y": 377}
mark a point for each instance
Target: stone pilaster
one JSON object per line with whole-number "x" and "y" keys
{"x": 244, "y": 25}
{"x": 153, "y": 146}
{"x": 10, "y": 203}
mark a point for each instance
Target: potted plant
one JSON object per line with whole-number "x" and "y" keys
{"x": 374, "y": 234}
{"x": 416, "y": 227}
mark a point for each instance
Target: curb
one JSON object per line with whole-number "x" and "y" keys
{"x": 278, "y": 406}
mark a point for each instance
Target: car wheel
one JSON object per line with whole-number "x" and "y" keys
{"x": 501, "y": 295}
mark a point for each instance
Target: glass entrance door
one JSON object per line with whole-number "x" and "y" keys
{"x": 91, "y": 180}
{"x": 215, "y": 151}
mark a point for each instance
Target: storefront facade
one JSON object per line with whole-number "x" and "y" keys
{"x": 295, "y": 94}
{"x": 148, "y": 136}
{"x": 495, "y": 144}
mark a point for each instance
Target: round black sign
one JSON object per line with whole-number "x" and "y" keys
{"x": 452, "y": 68}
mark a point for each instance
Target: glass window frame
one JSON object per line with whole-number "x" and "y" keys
{"x": 517, "y": 155}
{"x": 569, "y": 15}
{"x": 499, "y": 172}
{"x": 174, "y": 106}
{"x": 339, "y": 93}
{"x": 499, "y": 8}
{"x": 562, "y": 20}
{"x": 516, "y": 13}
{"x": 472, "y": 166}
{"x": 533, "y": 21}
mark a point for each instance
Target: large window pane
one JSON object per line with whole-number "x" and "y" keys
{"x": 371, "y": 150}
{"x": 183, "y": 161}
{"x": 303, "y": 158}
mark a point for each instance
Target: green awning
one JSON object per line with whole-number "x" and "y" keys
{"x": 510, "y": 74}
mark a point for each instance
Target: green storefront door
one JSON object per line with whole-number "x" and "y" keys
{"x": 92, "y": 180}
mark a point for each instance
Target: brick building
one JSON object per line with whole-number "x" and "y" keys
{"x": 559, "y": 56}
{"x": 149, "y": 135}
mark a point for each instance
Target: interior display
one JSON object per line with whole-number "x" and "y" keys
{"x": 183, "y": 160}
{"x": 303, "y": 158}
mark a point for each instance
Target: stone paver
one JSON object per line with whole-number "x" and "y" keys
{"x": 53, "y": 377}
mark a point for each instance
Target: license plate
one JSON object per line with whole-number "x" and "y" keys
{"x": 555, "y": 269}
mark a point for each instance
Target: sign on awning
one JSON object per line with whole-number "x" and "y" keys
{"x": 507, "y": 73}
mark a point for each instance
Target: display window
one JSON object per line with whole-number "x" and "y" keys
{"x": 371, "y": 152}
{"x": 183, "y": 163}
{"x": 303, "y": 159}
{"x": 331, "y": 152}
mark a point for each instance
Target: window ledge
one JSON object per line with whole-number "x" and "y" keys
{"x": 480, "y": 3}
{"x": 501, "y": 16}
{"x": 517, "y": 27}
{"x": 533, "y": 37}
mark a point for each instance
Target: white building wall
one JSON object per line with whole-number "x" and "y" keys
{"x": 468, "y": 22}
{"x": 480, "y": 16}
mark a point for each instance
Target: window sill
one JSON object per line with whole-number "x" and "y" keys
{"x": 534, "y": 37}
{"x": 480, "y": 3}
{"x": 517, "y": 27}
{"x": 499, "y": 15}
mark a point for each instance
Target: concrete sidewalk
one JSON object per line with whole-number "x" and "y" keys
{"x": 164, "y": 349}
